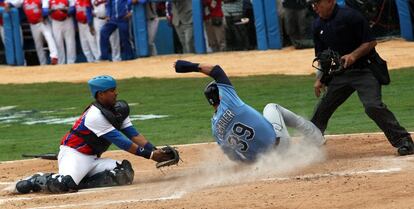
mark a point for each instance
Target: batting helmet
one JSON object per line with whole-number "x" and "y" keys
{"x": 101, "y": 83}
{"x": 212, "y": 93}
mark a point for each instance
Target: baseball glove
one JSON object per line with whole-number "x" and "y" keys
{"x": 170, "y": 157}
{"x": 329, "y": 62}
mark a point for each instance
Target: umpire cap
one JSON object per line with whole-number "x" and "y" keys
{"x": 212, "y": 93}
{"x": 101, "y": 83}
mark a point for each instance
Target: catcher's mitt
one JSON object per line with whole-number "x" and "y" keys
{"x": 329, "y": 62}
{"x": 170, "y": 157}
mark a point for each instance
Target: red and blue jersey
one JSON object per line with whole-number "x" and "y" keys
{"x": 83, "y": 11}
{"x": 33, "y": 10}
{"x": 76, "y": 142}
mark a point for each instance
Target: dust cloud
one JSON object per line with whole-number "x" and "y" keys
{"x": 215, "y": 169}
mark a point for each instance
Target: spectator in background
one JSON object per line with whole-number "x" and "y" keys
{"x": 86, "y": 30}
{"x": 152, "y": 26}
{"x": 213, "y": 21}
{"x": 178, "y": 48}
{"x": 297, "y": 22}
{"x": 1, "y": 23}
{"x": 40, "y": 27}
{"x": 63, "y": 30}
{"x": 181, "y": 17}
{"x": 236, "y": 30}
{"x": 118, "y": 13}
{"x": 99, "y": 13}
{"x": 251, "y": 27}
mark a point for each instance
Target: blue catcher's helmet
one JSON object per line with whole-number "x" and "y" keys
{"x": 212, "y": 93}
{"x": 101, "y": 83}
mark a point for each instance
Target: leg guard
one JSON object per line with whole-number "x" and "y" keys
{"x": 61, "y": 184}
{"x": 122, "y": 174}
{"x": 35, "y": 183}
{"x": 274, "y": 116}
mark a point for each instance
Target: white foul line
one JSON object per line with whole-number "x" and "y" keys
{"x": 332, "y": 174}
{"x": 171, "y": 197}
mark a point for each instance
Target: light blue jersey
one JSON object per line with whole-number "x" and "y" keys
{"x": 240, "y": 130}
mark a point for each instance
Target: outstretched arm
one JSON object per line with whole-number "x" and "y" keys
{"x": 216, "y": 72}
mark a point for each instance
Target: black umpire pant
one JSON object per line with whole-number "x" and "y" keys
{"x": 369, "y": 92}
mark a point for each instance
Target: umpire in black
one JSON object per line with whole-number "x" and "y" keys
{"x": 346, "y": 31}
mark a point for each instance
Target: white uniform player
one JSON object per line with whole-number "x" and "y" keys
{"x": 104, "y": 122}
{"x": 99, "y": 13}
{"x": 41, "y": 29}
{"x": 86, "y": 31}
{"x": 70, "y": 156}
{"x": 60, "y": 12}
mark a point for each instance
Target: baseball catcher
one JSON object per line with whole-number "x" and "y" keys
{"x": 104, "y": 122}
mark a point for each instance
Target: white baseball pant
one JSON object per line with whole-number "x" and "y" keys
{"x": 64, "y": 33}
{"x": 281, "y": 117}
{"x": 152, "y": 27}
{"x": 113, "y": 39}
{"x": 88, "y": 43}
{"x": 43, "y": 31}
{"x": 78, "y": 165}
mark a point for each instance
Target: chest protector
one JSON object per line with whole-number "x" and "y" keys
{"x": 115, "y": 117}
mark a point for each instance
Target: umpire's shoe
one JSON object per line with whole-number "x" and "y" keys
{"x": 407, "y": 147}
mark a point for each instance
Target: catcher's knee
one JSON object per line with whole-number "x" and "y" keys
{"x": 122, "y": 174}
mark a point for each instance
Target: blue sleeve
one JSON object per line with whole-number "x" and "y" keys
{"x": 129, "y": 5}
{"x": 45, "y": 12}
{"x": 219, "y": 75}
{"x": 118, "y": 139}
{"x": 228, "y": 96}
{"x": 89, "y": 16}
{"x": 71, "y": 10}
{"x": 130, "y": 132}
{"x": 108, "y": 7}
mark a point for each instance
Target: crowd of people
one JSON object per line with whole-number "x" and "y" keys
{"x": 104, "y": 26}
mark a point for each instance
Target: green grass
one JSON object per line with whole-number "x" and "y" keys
{"x": 184, "y": 102}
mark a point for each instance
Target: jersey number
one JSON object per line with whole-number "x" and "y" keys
{"x": 241, "y": 134}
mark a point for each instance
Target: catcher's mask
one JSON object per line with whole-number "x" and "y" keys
{"x": 330, "y": 62}
{"x": 212, "y": 93}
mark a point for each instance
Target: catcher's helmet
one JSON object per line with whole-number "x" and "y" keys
{"x": 212, "y": 93}
{"x": 101, "y": 83}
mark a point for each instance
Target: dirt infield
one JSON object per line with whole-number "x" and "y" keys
{"x": 351, "y": 171}
{"x": 355, "y": 171}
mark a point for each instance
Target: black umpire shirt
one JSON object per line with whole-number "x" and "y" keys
{"x": 343, "y": 32}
